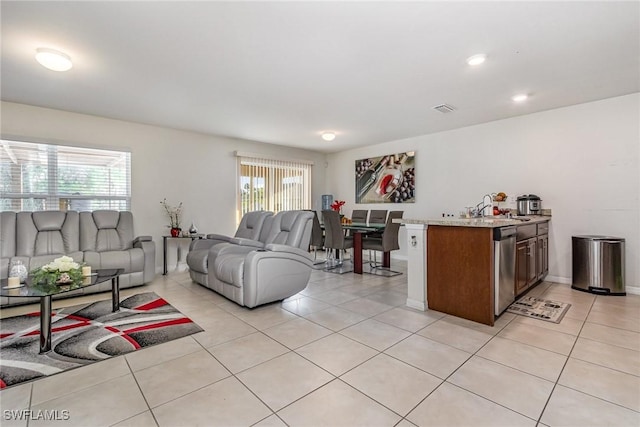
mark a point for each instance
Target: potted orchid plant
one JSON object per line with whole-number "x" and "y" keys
{"x": 175, "y": 216}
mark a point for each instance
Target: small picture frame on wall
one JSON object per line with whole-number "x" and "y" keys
{"x": 386, "y": 179}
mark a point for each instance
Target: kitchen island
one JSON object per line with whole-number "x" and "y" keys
{"x": 461, "y": 268}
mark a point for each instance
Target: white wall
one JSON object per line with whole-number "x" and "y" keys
{"x": 583, "y": 161}
{"x": 198, "y": 170}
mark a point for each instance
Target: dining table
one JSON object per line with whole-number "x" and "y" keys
{"x": 358, "y": 231}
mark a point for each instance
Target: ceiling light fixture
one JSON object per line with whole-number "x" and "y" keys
{"x": 520, "y": 98}
{"x": 53, "y": 59}
{"x": 476, "y": 59}
{"x": 328, "y": 136}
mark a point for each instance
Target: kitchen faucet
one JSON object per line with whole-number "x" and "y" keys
{"x": 479, "y": 211}
{"x": 489, "y": 205}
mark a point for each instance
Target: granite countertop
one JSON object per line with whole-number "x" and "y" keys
{"x": 485, "y": 222}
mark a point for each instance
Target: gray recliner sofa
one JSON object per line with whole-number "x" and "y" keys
{"x": 250, "y": 227}
{"x": 101, "y": 239}
{"x": 274, "y": 267}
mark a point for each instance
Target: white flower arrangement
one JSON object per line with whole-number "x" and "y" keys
{"x": 174, "y": 212}
{"x": 60, "y": 270}
{"x": 62, "y": 264}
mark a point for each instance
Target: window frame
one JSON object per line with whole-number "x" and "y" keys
{"x": 52, "y": 199}
{"x": 276, "y": 169}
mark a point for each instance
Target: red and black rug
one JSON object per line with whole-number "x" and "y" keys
{"x": 84, "y": 334}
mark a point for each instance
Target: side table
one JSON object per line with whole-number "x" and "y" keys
{"x": 164, "y": 248}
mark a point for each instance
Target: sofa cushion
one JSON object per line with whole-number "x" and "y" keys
{"x": 106, "y": 219}
{"x": 38, "y": 261}
{"x": 131, "y": 260}
{"x": 106, "y": 231}
{"x": 251, "y": 225}
{"x": 49, "y": 220}
{"x": 47, "y": 232}
{"x": 7, "y": 234}
{"x": 229, "y": 268}
{"x": 289, "y": 228}
{"x": 197, "y": 260}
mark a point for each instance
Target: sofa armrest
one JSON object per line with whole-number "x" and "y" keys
{"x": 241, "y": 241}
{"x": 207, "y": 243}
{"x": 219, "y": 237}
{"x": 149, "y": 249}
{"x": 228, "y": 248}
{"x": 142, "y": 239}
{"x": 273, "y": 247}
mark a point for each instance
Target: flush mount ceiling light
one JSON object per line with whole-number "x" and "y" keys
{"x": 328, "y": 136}
{"x": 520, "y": 97}
{"x": 476, "y": 59}
{"x": 53, "y": 59}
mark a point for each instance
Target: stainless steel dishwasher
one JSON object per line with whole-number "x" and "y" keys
{"x": 504, "y": 246}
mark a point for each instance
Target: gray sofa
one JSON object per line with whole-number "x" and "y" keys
{"x": 275, "y": 266}
{"x": 251, "y": 225}
{"x": 101, "y": 239}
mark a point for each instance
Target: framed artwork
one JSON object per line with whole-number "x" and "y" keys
{"x": 386, "y": 179}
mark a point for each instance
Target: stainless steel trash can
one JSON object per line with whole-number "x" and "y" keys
{"x": 598, "y": 264}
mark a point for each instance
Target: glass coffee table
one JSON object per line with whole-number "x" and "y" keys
{"x": 45, "y": 292}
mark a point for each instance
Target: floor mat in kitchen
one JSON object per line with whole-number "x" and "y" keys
{"x": 538, "y": 308}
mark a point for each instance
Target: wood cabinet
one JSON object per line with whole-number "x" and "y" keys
{"x": 543, "y": 256}
{"x": 526, "y": 264}
{"x": 532, "y": 258}
{"x": 460, "y": 274}
{"x": 521, "y": 267}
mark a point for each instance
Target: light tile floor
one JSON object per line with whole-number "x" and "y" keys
{"x": 346, "y": 351}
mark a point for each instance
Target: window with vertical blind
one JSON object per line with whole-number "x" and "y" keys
{"x": 36, "y": 177}
{"x": 273, "y": 185}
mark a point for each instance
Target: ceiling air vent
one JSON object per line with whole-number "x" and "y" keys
{"x": 444, "y": 108}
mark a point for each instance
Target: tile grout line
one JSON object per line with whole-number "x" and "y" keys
{"x": 141, "y": 393}
{"x": 445, "y": 380}
{"x": 544, "y": 408}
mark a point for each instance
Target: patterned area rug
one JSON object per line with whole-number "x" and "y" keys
{"x": 84, "y": 334}
{"x": 537, "y": 308}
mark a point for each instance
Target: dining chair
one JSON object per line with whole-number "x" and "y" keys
{"x": 317, "y": 239}
{"x": 386, "y": 243}
{"x": 378, "y": 216}
{"x": 334, "y": 239}
{"x": 359, "y": 216}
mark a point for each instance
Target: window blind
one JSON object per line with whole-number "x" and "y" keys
{"x": 36, "y": 177}
{"x": 273, "y": 185}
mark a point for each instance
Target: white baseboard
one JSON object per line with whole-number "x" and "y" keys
{"x": 558, "y": 279}
{"x": 418, "y": 305}
{"x": 633, "y": 290}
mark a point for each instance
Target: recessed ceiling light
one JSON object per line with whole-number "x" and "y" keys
{"x": 476, "y": 59}
{"x": 328, "y": 136}
{"x": 520, "y": 97}
{"x": 53, "y": 60}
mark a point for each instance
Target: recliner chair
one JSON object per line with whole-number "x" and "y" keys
{"x": 250, "y": 227}
{"x": 275, "y": 267}
{"x": 106, "y": 238}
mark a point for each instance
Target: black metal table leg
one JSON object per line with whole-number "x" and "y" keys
{"x": 115, "y": 294}
{"x": 45, "y": 324}
{"x": 164, "y": 255}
